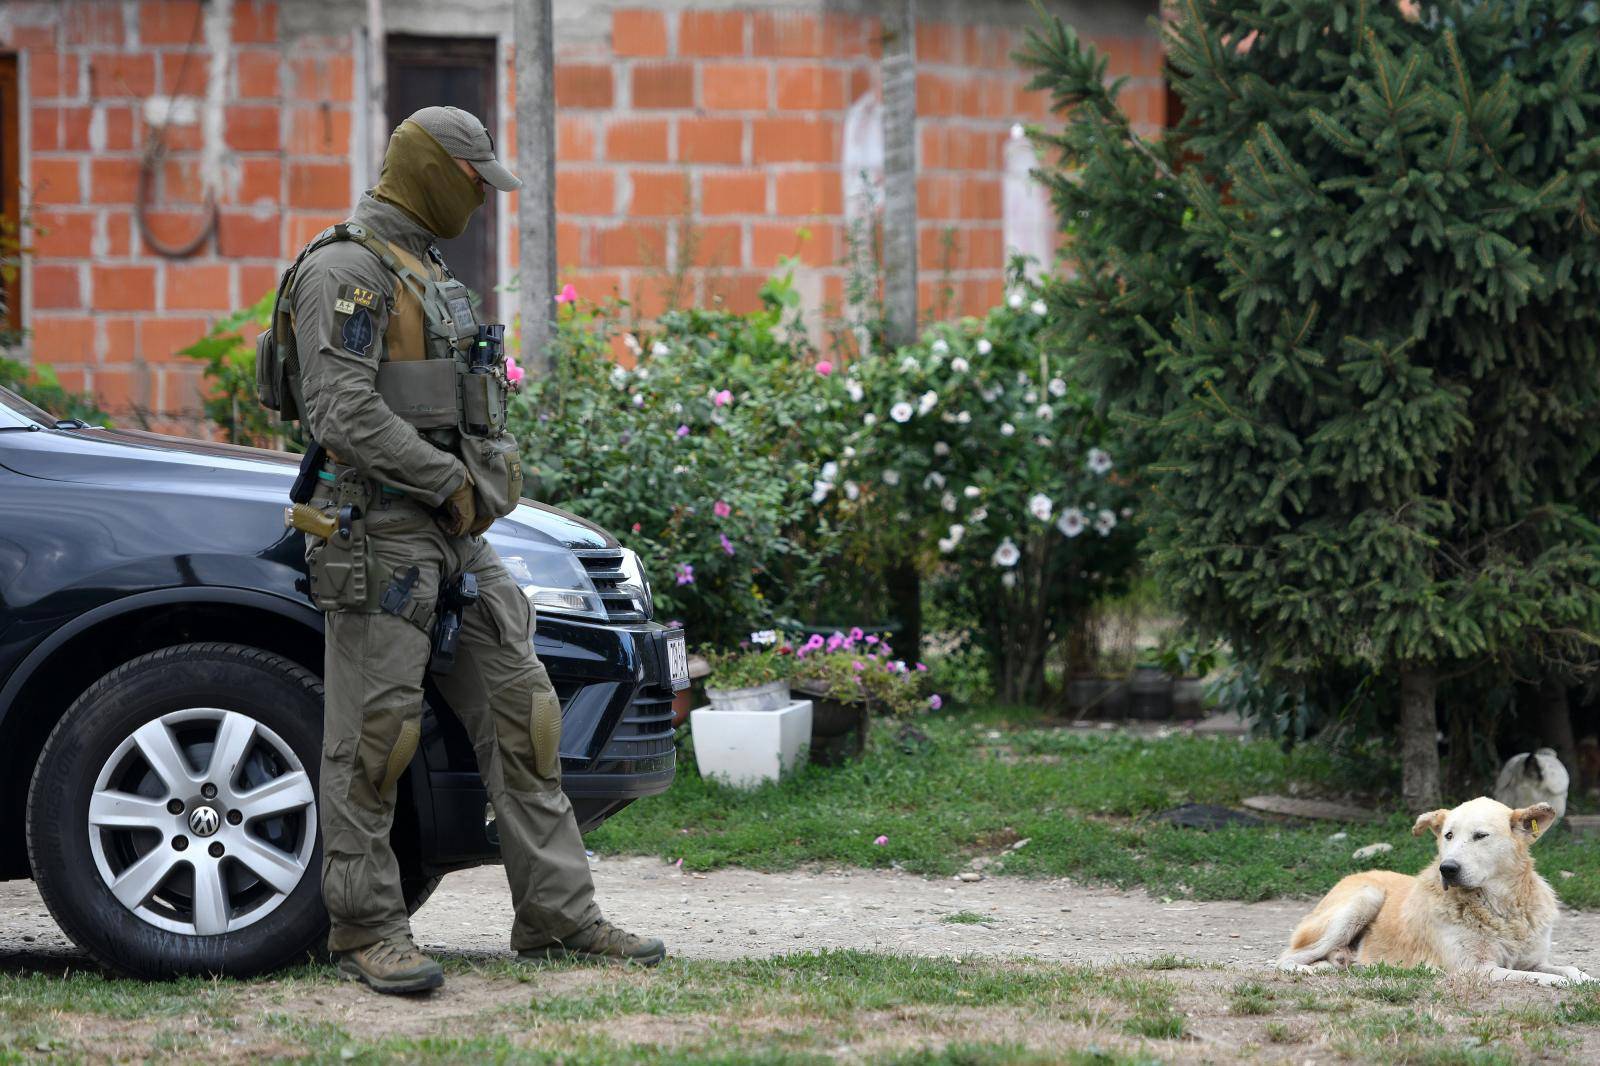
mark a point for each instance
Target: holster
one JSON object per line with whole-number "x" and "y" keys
{"x": 341, "y": 566}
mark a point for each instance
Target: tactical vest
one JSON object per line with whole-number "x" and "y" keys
{"x": 428, "y": 375}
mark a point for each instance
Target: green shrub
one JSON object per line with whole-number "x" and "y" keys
{"x": 39, "y": 386}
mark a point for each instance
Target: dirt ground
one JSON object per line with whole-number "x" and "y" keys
{"x": 728, "y": 914}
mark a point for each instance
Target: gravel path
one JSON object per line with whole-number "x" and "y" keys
{"x": 734, "y": 913}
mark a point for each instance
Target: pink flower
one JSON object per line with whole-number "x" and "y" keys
{"x": 834, "y": 642}
{"x": 721, "y": 509}
{"x": 683, "y": 431}
{"x": 722, "y": 398}
{"x": 814, "y": 642}
{"x": 567, "y": 295}
{"x": 824, "y": 368}
{"x": 727, "y": 545}
{"x": 935, "y": 702}
{"x": 855, "y": 633}
{"x": 881, "y": 841}
{"x": 637, "y": 527}
{"x": 514, "y": 373}
{"x": 872, "y": 640}
{"x": 922, "y": 666}
{"x": 859, "y": 665}
{"x": 685, "y": 573}
{"x": 679, "y": 863}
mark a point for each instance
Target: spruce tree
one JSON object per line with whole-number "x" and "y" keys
{"x": 1351, "y": 302}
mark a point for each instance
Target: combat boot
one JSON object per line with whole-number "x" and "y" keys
{"x": 392, "y": 965}
{"x": 602, "y": 942}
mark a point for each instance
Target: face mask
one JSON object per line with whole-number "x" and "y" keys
{"x": 421, "y": 178}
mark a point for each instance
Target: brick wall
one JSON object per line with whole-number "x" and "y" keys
{"x": 696, "y": 149}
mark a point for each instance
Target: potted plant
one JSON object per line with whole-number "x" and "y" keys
{"x": 753, "y": 679}
{"x": 752, "y": 732}
{"x": 1188, "y": 664}
{"x": 1149, "y": 690}
{"x": 848, "y": 678}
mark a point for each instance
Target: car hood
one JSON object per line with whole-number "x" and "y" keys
{"x": 129, "y": 459}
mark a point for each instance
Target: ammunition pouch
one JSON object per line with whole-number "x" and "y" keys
{"x": 496, "y": 468}
{"x": 424, "y": 392}
{"x": 483, "y": 404}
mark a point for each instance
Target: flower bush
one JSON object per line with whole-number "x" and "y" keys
{"x": 858, "y": 666}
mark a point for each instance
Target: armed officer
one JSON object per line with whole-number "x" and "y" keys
{"x": 376, "y": 348}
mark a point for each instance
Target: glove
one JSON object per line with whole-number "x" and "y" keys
{"x": 459, "y": 511}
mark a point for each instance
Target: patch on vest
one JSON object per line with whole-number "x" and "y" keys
{"x": 461, "y": 312}
{"x": 357, "y": 332}
{"x": 356, "y": 295}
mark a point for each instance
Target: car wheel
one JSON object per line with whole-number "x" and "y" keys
{"x": 172, "y": 818}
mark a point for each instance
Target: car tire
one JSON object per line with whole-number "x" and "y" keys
{"x": 103, "y": 786}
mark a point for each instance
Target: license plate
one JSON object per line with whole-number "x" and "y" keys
{"x": 678, "y": 660}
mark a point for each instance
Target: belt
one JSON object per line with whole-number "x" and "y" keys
{"x": 388, "y": 490}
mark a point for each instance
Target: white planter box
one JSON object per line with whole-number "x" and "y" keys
{"x": 773, "y": 696}
{"x": 748, "y": 748}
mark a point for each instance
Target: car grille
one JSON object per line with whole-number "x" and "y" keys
{"x": 605, "y": 570}
{"x": 644, "y": 736}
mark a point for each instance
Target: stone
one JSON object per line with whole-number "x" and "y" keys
{"x": 1371, "y": 850}
{"x": 969, "y": 876}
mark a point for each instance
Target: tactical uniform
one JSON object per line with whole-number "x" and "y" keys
{"x": 383, "y": 337}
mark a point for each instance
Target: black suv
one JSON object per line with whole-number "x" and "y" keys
{"x": 161, "y": 702}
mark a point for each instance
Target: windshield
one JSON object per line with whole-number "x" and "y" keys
{"x": 15, "y": 411}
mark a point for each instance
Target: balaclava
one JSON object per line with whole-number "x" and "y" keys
{"x": 421, "y": 179}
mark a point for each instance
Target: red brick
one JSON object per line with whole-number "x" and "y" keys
{"x": 797, "y": 140}
{"x": 711, "y": 33}
{"x": 718, "y": 245}
{"x": 124, "y": 288}
{"x": 256, "y": 74}
{"x": 1146, "y": 104}
{"x": 183, "y": 74}
{"x": 663, "y": 85}
{"x": 92, "y": 23}
{"x": 981, "y": 198}
{"x": 851, "y": 36}
{"x": 808, "y": 87}
{"x": 963, "y": 249}
{"x": 861, "y": 83}
{"x": 638, "y": 33}
{"x": 587, "y": 191}
{"x": 259, "y": 180}
{"x": 711, "y": 140}
{"x": 51, "y": 74}
{"x": 740, "y": 293}
{"x": 987, "y": 47}
{"x": 171, "y": 22}
{"x": 810, "y": 192}
{"x": 118, "y": 122}
{"x": 243, "y": 234}
{"x": 42, "y": 36}
{"x": 113, "y": 181}
{"x": 255, "y": 22}
{"x": 304, "y": 227}
{"x": 319, "y": 185}
{"x": 55, "y": 181}
{"x": 632, "y": 245}
{"x": 787, "y": 33}
{"x": 56, "y": 286}
{"x": 936, "y": 96}
{"x": 637, "y": 141}
{"x": 938, "y": 42}
{"x": 734, "y": 87}
{"x": 733, "y": 194}
{"x": 62, "y": 233}
{"x": 172, "y": 229}
{"x": 117, "y": 222}
{"x": 575, "y": 137}
{"x": 569, "y": 242}
{"x": 324, "y": 78}
{"x": 122, "y": 74}
{"x": 256, "y": 281}
{"x": 320, "y": 131}
{"x": 160, "y": 339}
{"x": 197, "y": 287}
{"x": 116, "y": 389}
{"x": 181, "y": 181}
{"x": 584, "y": 85}
{"x": 252, "y": 128}
{"x": 63, "y": 339}
{"x": 813, "y": 245}
{"x": 57, "y": 129}
{"x": 180, "y": 138}
{"x": 956, "y": 148}
{"x": 1033, "y": 105}
{"x": 657, "y": 193}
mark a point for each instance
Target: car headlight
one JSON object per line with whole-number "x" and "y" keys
{"x": 554, "y": 580}
{"x": 635, "y": 584}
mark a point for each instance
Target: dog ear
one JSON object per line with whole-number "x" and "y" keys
{"x": 1533, "y": 820}
{"x": 1432, "y": 821}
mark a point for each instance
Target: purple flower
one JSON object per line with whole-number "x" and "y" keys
{"x": 835, "y": 641}
{"x": 855, "y": 633}
{"x": 683, "y": 431}
{"x": 814, "y": 642}
{"x": 727, "y": 545}
{"x": 872, "y": 640}
{"x": 881, "y": 841}
{"x": 922, "y": 666}
{"x": 935, "y": 702}
{"x": 685, "y": 573}
{"x": 676, "y": 623}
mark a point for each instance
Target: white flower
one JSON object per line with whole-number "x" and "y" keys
{"x": 946, "y": 416}
{"x": 908, "y": 364}
{"x": 989, "y": 395}
{"x": 851, "y": 490}
{"x": 764, "y": 636}
{"x": 963, "y": 417}
{"x": 1071, "y": 522}
{"x": 1099, "y": 461}
{"x": 1040, "y": 506}
{"x": 901, "y": 412}
{"x": 972, "y": 492}
{"x": 947, "y": 544}
{"x": 1031, "y": 396}
{"x": 869, "y": 419}
{"x": 984, "y": 347}
{"x": 934, "y": 480}
{"x": 849, "y": 452}
{"x": 1006, "y": 429}
{"x": 891, "y": 477}
{"x": 632, "y": 343}
{"x": 820, "y": 490}
{"x": 959, "y": 365}
{"x": 1127, "y": 512}
{"x": 1105, "y": 522}
{"x": 1007, "y": 554}
{"x": 978, "y": 514}
{"x": 677, "y": 408}
{"x": 929, "y": 400}
{"x": 939, "y": 347}
{"x": 948, "y": 502}
{"x": 940, "y": 448}
{"x": 1009, "y": 579}
{"x": 1037, "y": 307}
{"x": 642, "y": 373}
{"x": 638, "y": 399}
{"x": 660, "y": 348}
{"x": 855, "y": 390}
{"x": 1014, "y": 301}
{"x": 1022, "y": 379}
{"x": 1042, "y": 441}
{"x": 1058, "y": 388}
{"x": 1044, "y": 412}
{"x": 817, "y": 407}
{"x": 830, "y": 470}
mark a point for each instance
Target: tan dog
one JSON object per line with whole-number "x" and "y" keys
{"x": 1478, "y": 908}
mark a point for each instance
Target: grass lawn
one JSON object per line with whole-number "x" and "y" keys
{"x": 807, "y": 1008}
{"x": 1082, "y": 799}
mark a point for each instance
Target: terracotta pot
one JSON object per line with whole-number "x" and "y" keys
{"x": 686, "y": 700}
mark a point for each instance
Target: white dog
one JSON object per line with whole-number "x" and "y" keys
{"x": 1478, "y": 908}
